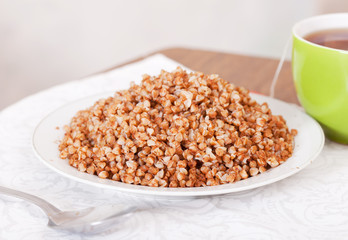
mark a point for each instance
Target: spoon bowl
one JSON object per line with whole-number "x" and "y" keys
{"x": 90, "y": 220}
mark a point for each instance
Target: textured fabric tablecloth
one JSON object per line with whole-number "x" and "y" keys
{"x": 312, "y": 204}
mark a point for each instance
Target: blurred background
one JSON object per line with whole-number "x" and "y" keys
{"x": 48, "y": 42}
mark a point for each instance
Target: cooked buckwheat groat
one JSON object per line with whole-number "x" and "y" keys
{"x": 177, "y": 129}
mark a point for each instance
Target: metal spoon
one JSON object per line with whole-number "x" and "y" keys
{"x": 89, "y": 220}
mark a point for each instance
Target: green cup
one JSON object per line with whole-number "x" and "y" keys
{"x": 321, "y": 75}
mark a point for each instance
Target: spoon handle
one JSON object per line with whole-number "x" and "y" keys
{"x": 48, "y": 208}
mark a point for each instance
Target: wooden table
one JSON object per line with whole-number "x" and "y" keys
{"x": 254, "y": 73}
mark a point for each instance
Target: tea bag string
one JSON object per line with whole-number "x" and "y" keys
{"x": 279, "y": 67}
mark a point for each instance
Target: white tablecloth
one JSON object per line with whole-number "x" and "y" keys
{"x": 312, "y": 204}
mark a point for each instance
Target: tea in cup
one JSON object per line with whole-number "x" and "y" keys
{"x": 320, "y": 71}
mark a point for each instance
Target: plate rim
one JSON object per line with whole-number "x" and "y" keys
{"x": 172, "y": 192}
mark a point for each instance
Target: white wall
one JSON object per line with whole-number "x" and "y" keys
{"x": 46, "y": 42}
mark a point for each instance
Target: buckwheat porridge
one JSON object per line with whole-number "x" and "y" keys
{"x": 177, "y": 129}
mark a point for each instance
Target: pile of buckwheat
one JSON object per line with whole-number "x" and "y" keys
{"x": 177, "y": 129}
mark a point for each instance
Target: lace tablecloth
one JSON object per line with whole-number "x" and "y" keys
{"x": 312, "y": 204}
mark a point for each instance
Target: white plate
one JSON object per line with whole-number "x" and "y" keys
{"x": 308, "y": 144}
